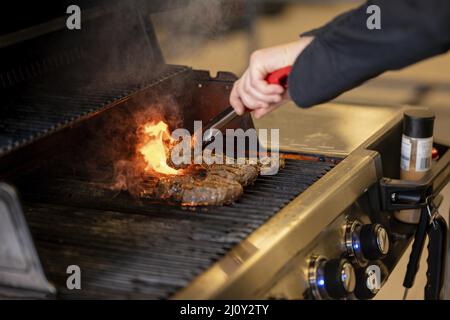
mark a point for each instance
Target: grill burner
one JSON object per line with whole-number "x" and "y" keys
{"x": 147, "y": 250}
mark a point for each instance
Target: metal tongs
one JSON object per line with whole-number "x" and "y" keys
{"x": 423, "y": 195}
{"x": 220, "y": 121}
{"x": 432, "y": 224}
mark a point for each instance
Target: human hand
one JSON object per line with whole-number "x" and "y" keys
{"x": 252, "y": 92}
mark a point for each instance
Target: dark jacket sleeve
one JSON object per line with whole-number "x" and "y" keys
{"x": 345, "y": 53}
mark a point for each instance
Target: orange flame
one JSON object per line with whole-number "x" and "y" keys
{"x": 155, "y": 148}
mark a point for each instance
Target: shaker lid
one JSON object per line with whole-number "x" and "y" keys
{"x": 418, "y": 123}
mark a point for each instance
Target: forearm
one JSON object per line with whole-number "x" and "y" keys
{"x": 346, "y": 53}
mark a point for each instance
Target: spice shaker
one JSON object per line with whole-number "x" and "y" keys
{"x": 416, "y": 152}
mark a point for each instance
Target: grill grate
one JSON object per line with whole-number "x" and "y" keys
{"x": 40, "y": 111}
{"x": 149, "y": 251}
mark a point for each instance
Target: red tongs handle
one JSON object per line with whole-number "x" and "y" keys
{"x": 279, "y": 76}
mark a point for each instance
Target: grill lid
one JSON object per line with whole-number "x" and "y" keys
{"x": 52, "y": 77}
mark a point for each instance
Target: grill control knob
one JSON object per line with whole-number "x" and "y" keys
{"x": 366, "y": 242}
{"x": 374, "y": 241}
{"x": 331, "y": 278}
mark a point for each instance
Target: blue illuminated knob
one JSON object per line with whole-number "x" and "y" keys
{"x": 366, "y": 242}
{"x": 340, "y": 279}
{"x": 331, "y": 278}
{"x": 374, "y": 241}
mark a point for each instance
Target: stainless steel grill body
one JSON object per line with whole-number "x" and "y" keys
{"x": 69, "y": 108}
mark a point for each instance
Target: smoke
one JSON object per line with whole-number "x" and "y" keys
{"x": 178, "y": 30}
{"x": 128, "y": 46}
{"x": 183, "y": 30}
{"x": 123, "y": 54}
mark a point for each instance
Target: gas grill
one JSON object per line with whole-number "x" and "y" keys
{"x": 129, "y": 250}
{"x": 69, "y": 106}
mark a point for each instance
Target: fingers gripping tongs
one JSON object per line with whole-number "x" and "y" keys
{"x": 220, "y": 121}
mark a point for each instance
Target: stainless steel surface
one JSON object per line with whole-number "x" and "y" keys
{"x": 348, "y": 277}
{"x": 353, "y": 243}
{"x": 316, "y": 279}
{"x": 355, "y": 246}
{"x": 167, "y": 264}
{"x": 382, "y": 240}
{"x": 290, "y": 283}
{"x": 251, "y": 267}
{"x": 20, "y": 267}
{"x": 305, "y": 218}
{"x": 330, "y": 128}
{"x": 219, "y": 123}
{"x": 274, "y": 260}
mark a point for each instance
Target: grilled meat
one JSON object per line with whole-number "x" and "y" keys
{"x": 206, "y": 185}
{"x": 196, "y": 191}
{"x": 245, "y": 174}
{"x": 203, "y": 185}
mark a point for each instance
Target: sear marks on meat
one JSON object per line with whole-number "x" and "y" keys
{"x": 214, "y": 190}
{"x": 205, "y": 185}
{"x": 192, "y": 191}
{"x": 245, "y": 174}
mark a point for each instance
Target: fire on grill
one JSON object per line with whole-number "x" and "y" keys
{"x": 151, "y": 174}
{"x": 64, "y": 147}
{"x": 155, "y": 148}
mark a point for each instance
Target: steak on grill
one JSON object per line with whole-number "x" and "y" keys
{"x": 203, "y": 185}
{"x": 192, "y": 190}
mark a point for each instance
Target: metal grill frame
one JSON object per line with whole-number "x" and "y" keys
{"x": 60, "y": 223}
{"x": 251, "y": 268}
